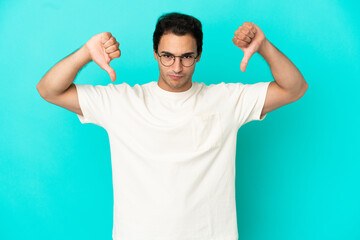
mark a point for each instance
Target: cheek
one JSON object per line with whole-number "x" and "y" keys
{"x": 162, "y": 70}
{"x": 191, "y": 71}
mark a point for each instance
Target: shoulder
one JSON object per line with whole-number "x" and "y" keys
{"x": 211, "y": 88}
{"x": 135, "y": 90}
{"x": 222, "y": 89}
{"x": 248, "y": 89}
{"x": 123, "y": 88}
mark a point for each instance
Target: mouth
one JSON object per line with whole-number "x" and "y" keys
{"x": 175, "y": 77}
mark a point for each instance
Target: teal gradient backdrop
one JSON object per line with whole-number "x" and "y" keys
{"x": 297, "y": 172}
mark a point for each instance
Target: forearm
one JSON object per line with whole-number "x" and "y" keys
{"x": 61, "y": 76}
{"x": 283, "y": 70}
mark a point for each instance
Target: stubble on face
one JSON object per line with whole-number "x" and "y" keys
{"x": 177, "y": 85}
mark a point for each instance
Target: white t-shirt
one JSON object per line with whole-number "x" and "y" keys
{"x": 173, "y": 155}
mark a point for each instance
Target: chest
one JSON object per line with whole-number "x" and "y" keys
{"x": 172, "y": 128}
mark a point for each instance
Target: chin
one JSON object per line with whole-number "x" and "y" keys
{"x": 178, "y": 83}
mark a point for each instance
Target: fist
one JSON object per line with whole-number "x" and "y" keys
{"x": 249, "y": 38}
{"x": 103, "y": 48}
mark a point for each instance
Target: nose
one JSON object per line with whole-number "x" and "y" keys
{"x": 177, "y": 65}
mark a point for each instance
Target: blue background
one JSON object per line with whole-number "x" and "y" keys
{"x": 297, "y": 172}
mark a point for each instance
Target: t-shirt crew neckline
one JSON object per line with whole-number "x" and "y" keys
{"x": 173, "y": 95}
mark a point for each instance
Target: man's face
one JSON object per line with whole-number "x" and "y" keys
{"x": 177, "y": 46}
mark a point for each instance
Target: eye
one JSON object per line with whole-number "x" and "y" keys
{"x": 167, "y": 56}
{"x": 188, "y": 57}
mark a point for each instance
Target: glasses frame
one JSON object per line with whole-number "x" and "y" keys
{"x": 175, "y": 60}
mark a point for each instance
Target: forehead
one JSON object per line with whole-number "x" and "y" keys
{"x": 177, "y": 44}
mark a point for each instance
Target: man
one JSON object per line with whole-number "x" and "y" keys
{"x": 173, "y": 141}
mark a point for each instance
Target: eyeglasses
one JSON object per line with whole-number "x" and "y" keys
{"x": 167, "y": 60}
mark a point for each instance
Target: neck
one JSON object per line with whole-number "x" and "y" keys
{"x": 174, "y": 86}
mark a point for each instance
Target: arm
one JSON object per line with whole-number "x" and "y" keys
{"x": 289, "y": 84}
{"x": 57, "y": 84}
{"x": 285, "y": 73}
{"x": 61, "y": 76}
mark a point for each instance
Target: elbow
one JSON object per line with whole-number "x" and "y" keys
{"x": 303, "y": 90}
{"x": 40, "y": 91}
{"x": 306, "y": 87}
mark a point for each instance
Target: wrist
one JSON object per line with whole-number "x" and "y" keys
{"x": 84, "y": 56}
{"x": 263, "y": 47}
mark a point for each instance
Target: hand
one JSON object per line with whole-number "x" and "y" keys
{"x": 103, "y": 48}
{"x": 248, "y": 38}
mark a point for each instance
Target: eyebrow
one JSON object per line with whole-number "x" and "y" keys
{"x": 173, "y": 54}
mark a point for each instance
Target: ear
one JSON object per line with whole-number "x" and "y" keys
{"x": 198, "y": 58}
{"x": 155, "y": 55}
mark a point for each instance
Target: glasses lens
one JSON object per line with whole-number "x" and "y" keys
{"x": 187, "y": 61}
{"x": 167, "y": 60}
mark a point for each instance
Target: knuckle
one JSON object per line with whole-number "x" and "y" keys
{"x": 108, "y": 35}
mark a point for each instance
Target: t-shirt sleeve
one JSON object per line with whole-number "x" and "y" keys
{"x": 95, "y": 103}
{"x": 247, "y": 101}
